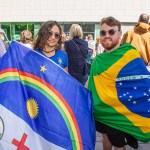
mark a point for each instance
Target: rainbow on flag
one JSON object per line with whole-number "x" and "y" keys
{"x": 120, "y": 85}
{"x": 42, "y": 106}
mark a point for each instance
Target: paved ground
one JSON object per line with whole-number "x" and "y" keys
{"x": 142, "y": 146}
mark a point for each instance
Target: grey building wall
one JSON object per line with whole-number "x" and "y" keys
{"x": 71, "y": 10}
{"x": 126, "y": 11}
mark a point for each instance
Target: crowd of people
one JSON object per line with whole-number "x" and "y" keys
{"x": 75, "y": 53}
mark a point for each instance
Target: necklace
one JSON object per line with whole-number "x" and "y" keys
{"x": 49, "y": 51}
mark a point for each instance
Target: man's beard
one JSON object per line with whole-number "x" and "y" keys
{"x": 110, "y": 46}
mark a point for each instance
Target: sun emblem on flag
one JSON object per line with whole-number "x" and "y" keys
{"x": 32, "y": 108}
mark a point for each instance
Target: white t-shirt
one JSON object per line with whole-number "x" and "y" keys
{"x": 27, "y": 45}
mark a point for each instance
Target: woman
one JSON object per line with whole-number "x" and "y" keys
{"x": 77, "y": 50}
{"x": 48, "y": 43}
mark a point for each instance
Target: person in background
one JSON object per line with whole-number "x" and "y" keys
{"x": 48, "y": 43}
{"x": 139, "y": 37}
{"x": 3, "y": 37}
{"x": 63, "y": 39}
{"x": 91, "y": 45}
{"x": 26, "y": 38}
{"x": 77, "y": 50}
{"x": 99, "y": 48}
{"x": 2, "y": 48}
{"x": 2, "y": 45}
{"x": 2, "y": 34}
{"x": 91, "y": 49}
{"x": 86, "y": 38}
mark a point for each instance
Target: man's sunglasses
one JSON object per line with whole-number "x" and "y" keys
{"x": 57, "y": 36}
{"x": 110, "y": 32}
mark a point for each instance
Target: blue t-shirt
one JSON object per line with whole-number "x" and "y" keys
{"x": 59, "y": 58}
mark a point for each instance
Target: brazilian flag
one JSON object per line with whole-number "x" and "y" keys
{"x": 120, "y": 85}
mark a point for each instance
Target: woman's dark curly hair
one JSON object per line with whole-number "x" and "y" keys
{"x": 43, "y": 35}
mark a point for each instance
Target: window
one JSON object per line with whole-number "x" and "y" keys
{"x": 86, "y": 27}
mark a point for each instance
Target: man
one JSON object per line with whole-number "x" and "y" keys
{"x": 110, "y": 34}
{"x": 139, "y": 37}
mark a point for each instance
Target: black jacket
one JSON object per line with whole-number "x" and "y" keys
{"x": 76, "y": 59}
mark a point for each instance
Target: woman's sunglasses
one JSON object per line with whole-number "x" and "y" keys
{"x": 57, "y": 36}
{"x": 110, "y": 32}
